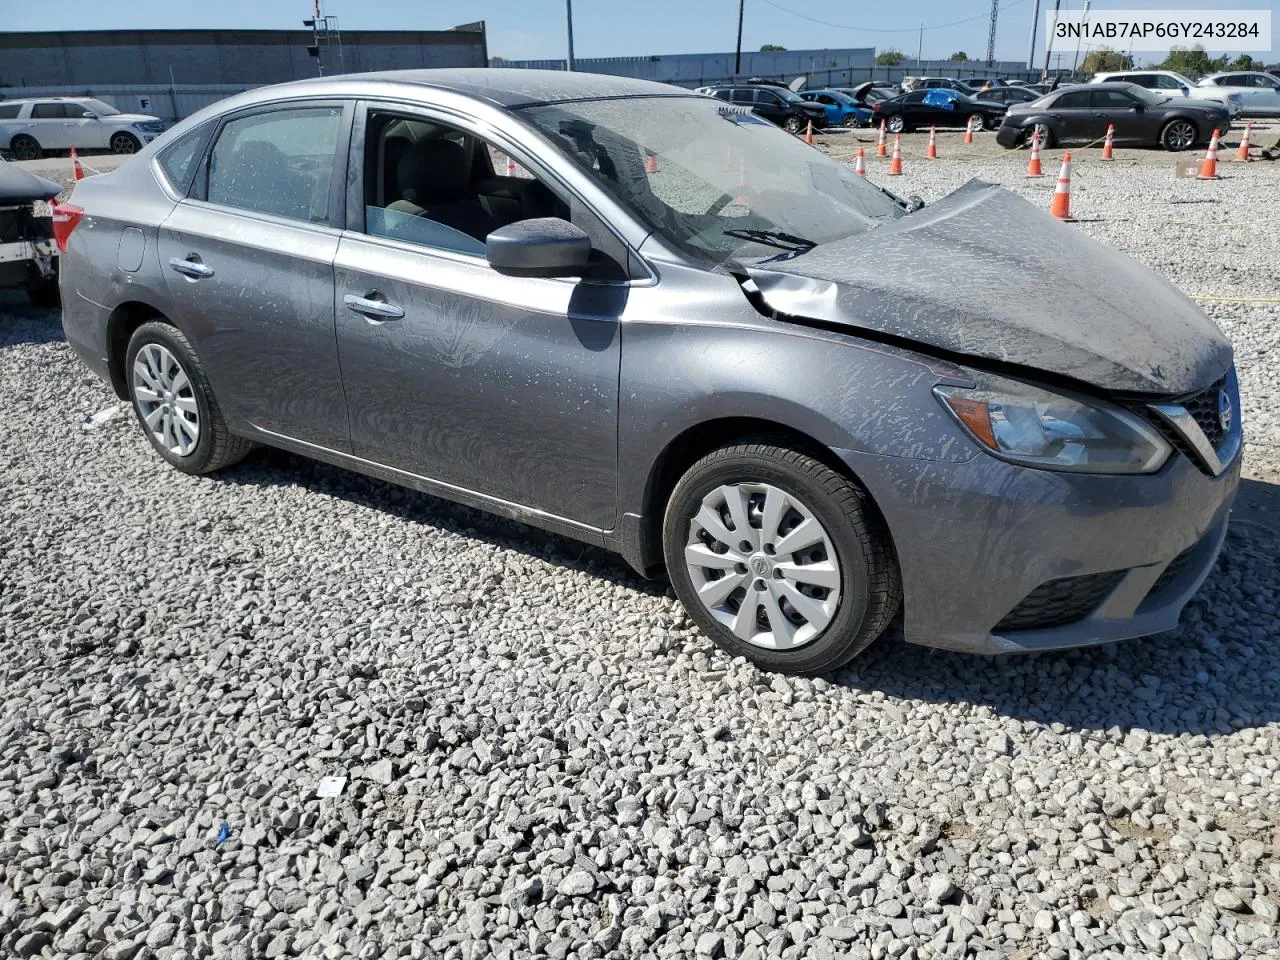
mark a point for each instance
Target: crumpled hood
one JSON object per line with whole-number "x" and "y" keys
{"x": 21, "y": 186}
{"x": 984, "y": 273}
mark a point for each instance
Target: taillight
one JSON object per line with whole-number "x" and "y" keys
{"x": 66, "y": 217}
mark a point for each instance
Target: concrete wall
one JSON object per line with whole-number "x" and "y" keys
{"x": 248, "y": 57}
{"x": 837, "y": 68}
{"x": 159, "y": 100}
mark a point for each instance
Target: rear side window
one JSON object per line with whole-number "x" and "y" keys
{"x": 49, "y": 111}
{"x": 10, "y": 111}
{"x": 179, "y": 159}
{"x": 279, "y": 163}
{"x": 1114, "y": 99}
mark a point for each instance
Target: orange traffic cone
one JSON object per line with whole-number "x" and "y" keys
{"x": 1243, "y": 152}
{"x": 1060, "y": 207}
{"x": 1033, "y": 165}
{"x": 650, "y": 162}
{"x": 510, "y": 169}
{"x": 1109, "y": 145}
{"x": 808, "y": 134}
{"x": 1209, "y": 169}
{"x": 968, "y": 130}
{"x": 932, "y": 152}
{"x": 882, "y": 149}
{"x": 77, "y": 171}
{"x": 895, "y": 165}
{"x": 860, "y": 167}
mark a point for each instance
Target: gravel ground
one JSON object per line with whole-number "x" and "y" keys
{"x": 540, "y": 756}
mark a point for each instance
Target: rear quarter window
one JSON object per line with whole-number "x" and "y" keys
{"x": 179, "y": 160}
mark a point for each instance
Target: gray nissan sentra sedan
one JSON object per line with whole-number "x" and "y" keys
{"x": 648, "y": 320}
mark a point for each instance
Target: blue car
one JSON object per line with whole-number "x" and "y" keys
{"x": 841, "y": 110}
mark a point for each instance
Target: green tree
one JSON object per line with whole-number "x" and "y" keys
{"x": 1106, "y": 60}
{"x": 958, "y": 56}
{"x": 1244, "y": 62}
{"x": 890, "y": 58}
{"x": 770, "y": 48}
{"x": 1191, "y": 61}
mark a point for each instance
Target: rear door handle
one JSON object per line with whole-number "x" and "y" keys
{"x": 191, "y": 268}
{"x": 369, "y": 308}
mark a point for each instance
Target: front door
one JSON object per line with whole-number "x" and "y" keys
{"x": 248, "y": 259}
{"x": 498, "y": 385}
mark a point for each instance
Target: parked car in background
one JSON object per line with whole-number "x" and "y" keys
{"x": 1259, "y": 92}
{"x": 778, "y": 105}
{"x": 28, "y": 254}
{"x": 1172, "y": 84}
{"x": 29, "y": 128}
{"x": 1143, "y": 118}
{"x": 873, "y": 91}
{"x": 979, "y": 82}
{"x": 939, "y": 108}
{"x": 1010, "y": 95}
{"x": 937, "y": 83}
{"x": 805, "y": 434}
{"x": 840, "y": 107}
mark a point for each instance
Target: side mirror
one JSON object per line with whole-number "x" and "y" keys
{"x": 90, "y": 115}
{"x": 542, "y": 247}
{"x": 1186, "y": 92}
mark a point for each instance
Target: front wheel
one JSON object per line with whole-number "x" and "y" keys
{"x": 779, "y": 559}
{"x": 792, "y": 125}
{"x": 897, "y": 124}
{"x": 125, "y": 143}
{"x": 1045, "y": 134}
{"x": 174, "y": 403}
{"x": 1178, "y": 135}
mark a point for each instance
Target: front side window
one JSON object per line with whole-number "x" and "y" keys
{"x": 101, "y": 108}
{"x": 1112, "y": 99}
{"x": 692, "y": 170}
{"x": 280, "y": 163}
{"x": 437, "y": 186}
{"x": 767, "y": 97}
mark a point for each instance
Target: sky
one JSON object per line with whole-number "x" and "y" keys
{"x": 535, "y": 29}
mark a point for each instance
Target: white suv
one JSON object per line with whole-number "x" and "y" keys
{"x": 1260, "y": 92}
{"x": 30, "y": 127}
{"x": 1174, "y": 85}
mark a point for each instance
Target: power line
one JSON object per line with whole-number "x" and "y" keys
{"x": 861, "y": 29}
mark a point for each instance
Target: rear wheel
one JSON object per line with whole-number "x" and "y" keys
{"x": 125, "y": 143}
{"x": 897, "y": 124}
{"x": 779, "y": 559}
{"x": 1178, "y": 135}
{"x": 174, "y": 403}
{"x": 24, "y": 147}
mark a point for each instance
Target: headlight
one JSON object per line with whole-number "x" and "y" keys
{"x": 1033, "y": 426}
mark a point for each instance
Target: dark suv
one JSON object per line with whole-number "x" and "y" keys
{"x": 776, "y": 104}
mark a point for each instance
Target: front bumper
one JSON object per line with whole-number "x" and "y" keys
{"x": 1008, "y": 136}
{"x": 975, "y": 539}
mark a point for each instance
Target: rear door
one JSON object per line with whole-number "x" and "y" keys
{"x": 1073, "y": 117}
{"x": 1262, "y": 95}
{"x": 248, "y": 258}
{"x": 48, "y": 124}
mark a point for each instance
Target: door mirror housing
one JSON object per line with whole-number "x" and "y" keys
{"x": 90, "y": 115}
{"x": 541, "y": 247}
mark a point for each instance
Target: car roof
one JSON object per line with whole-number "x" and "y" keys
{"x": 507, "y": 87}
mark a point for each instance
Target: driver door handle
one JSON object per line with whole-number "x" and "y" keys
{"x": 191, "y": 268}
{"x": 379, "y": 309}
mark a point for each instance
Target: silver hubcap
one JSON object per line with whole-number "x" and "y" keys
{"x": 763, "y": 565}
{"x": 1181, "y": 135}
{"x": 165, "y": 398}
{"x": 1042, "y": 134}
{"x": 895, "y": 124}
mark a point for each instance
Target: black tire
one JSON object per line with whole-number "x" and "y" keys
{"x": 44, "y": 292}
{"x": 1173, "y": 135}
{"x": 871, "y": 588}
{"x": 216, "y": 446}
{"x": 897, "y": 124}
{"x": 24, "y": 147}
{"x": 124, "y": 143}
{"x": 793, "y": 125}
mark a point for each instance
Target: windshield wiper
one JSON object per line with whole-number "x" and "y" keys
{"x": 772, "y": 238}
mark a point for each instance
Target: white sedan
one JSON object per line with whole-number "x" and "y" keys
{"x": 1259, "y": 92}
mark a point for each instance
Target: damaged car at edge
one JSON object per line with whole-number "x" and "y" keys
{"x": 676, "y": 333}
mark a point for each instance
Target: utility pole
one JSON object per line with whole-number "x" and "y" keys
{"x": 1031, "y": 48}
{"x": 1048, "y": 45}
{"x": 920, "y": 48}
{"x": 991, "y": 33}
{"x": 568, "y": 12}
{"x": 1083, "y": 20}
{"x": 737, "y": 57}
